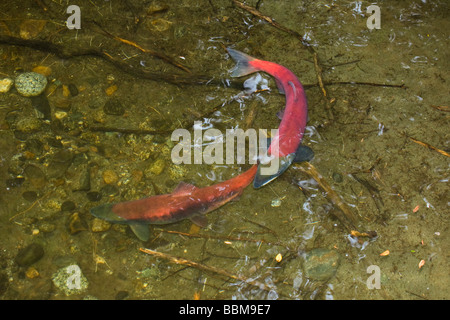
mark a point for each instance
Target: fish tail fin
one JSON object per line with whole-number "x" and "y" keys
{"x": 243, "y": 66}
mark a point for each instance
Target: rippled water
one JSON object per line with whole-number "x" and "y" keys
{"x": 109, "y": 140}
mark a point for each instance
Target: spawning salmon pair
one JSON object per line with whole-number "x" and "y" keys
{"x": 190, "y": 202}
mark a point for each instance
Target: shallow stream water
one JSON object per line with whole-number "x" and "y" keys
{"x": 380, "y": 138}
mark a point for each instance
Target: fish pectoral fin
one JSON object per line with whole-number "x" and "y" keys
{"x": 303, "y": 153}
{"x": 264, "y": 175}
{"x": 199, "y": 220}
{"x": 141, "y": 231}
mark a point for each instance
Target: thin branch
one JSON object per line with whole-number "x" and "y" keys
{"x": 200, "y": 266}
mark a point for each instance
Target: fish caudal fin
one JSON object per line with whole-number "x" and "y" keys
{"x": 242, "y": 60}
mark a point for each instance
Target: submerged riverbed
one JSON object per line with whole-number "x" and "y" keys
{"x": 136, "y": 71}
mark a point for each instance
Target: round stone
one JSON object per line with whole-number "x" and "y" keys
{"x": 29, "y": 255}
{"x": 30, "y": 84}
{"x": 321, "y": 264}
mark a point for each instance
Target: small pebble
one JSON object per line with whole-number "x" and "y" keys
{"x": 94, "y": 196}
{"x": 337, "y": 177}
{"x": 6, "y": 84}
{"x": 114, "y": 107}
{"x": 110, "y": 177}
{"x": 65, "y": 90}
{"x": 73, "y": 90}
{"x": 45, "y": 71}
{"x": 110, "y": 90}
{"x": 60, "y": 115}
{"x": 156, "y": 168}
{"x": 68, "y": 206}
{"x": 276, "y": 203}
{"x": 31, "y": 273}
{"x": 30, "y": 196}
{"x": 109, "y": 190}
{"x": 76, "y": 225}
{"x": 99, "y": 225}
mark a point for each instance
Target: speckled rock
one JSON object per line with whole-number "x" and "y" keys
{"x": 30, "y": 84}
{"x": 28, "y": 124}
{"x": 70, "y": 280}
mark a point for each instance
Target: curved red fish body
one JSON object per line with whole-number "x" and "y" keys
{"x": 186, "y": 201}
{"x": 293, "y": 123}
{"x": 290, "y": 132}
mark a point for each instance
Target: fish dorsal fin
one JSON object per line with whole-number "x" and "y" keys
{"x": 184, "y": 188}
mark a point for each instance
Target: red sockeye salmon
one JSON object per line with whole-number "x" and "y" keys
{"x": 286, "y": 143}
{"x": 185, "y": 202}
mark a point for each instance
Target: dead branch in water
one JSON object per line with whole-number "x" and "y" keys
{"x": 203, "y": 267}
{"x": 344, "y": 215}
{"x": 429, "y": 146}
{"x": 68, "y": 52}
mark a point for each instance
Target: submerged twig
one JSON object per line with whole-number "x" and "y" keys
{"x": 441, "y": 108}
{"x": 31, "y": 206}
{"x": 149, "y": 51}
{"x": 129, "y": 130}
{"x": 204, "y": 236}
{"x": 430, "y": 147}
{"x": 347, "y": 217}
{"x": 374, "y": 192}
{"x": 66, "y": 52}
{"x": 200, "y": 266}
